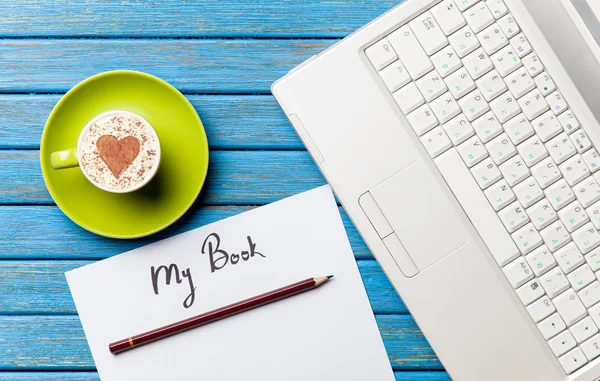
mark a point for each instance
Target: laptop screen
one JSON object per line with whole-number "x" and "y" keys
{"x": 589, "y": 10}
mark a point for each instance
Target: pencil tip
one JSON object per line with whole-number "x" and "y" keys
{"x": 329, "y": 276}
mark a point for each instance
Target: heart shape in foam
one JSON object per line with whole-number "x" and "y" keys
{"x": 118, "y": 154}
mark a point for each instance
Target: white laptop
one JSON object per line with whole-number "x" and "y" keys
{"x": 462, "y": 138}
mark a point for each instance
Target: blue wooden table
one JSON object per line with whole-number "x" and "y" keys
{"x": 223, "y": 55}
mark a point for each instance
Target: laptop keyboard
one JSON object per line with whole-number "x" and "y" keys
{"x": 514, "y": 154}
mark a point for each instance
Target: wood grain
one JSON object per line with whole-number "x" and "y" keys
{"x": 93, "y": 376}
{"x": 44, "y": 232}
{"x": 234, "y": 177}
{"x": 230, "y": 121}
{"x": 58, "y": 342}
{"x": 175, "y": 18}
{"x": 40, "y": 287}
{"x": 193, "y": 66}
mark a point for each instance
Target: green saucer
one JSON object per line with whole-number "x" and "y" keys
{"x": 183, "y": 165}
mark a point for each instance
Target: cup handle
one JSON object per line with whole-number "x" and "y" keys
{"x": 64, "y": 159}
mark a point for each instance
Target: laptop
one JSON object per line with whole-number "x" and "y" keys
{"x": 462, "y": 138}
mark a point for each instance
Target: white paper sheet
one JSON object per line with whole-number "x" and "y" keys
{"x": 328, "y": 333}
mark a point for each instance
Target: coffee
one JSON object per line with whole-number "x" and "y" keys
{"x": 119, "y": 152}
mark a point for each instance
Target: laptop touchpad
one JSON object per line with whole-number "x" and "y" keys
{"x": 423, "y": 220}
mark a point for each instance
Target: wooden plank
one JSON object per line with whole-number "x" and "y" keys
{"x": 234, "y": 177}
{"x": 193, "y": 66}
{"x": 230, "y": 121}
{"x": 174, "y": 18}
{"x": 93, "y": 376}
{"x": 44, "y": 232}
{"x": 58, "y": 342}
{"x": 40, "y": 287}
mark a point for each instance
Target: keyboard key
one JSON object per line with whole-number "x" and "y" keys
{"x": 587, "y": 191}
{"x": 555, "y": 282}
{"x": 509, "y": 26}
{"x": 460, "y": 83}
{"x": 432, "y": 86}
{"x": 486, "y": 173}
{"x": 552, "y": 326}
{"x": 574, "y": 170}
{"x": 464, "y": 41}
{"x": 541, "y": 309}
{"x": 591, "y": 348}
{"x": 545, "y": 84}
{"x": 584, "y": 329}
{"x": 520, "y": 82}
{"x": 518, "y": 129}
{"x": 422, "y": 120}
{"x": 475, "y": 205}
{"x": 472, "y": 151}
{"x": 428, "y": 32}
{"x": 533, "y": 104}
{"x": 541, "y": 260}
{"x": 491, "y": 85}
{"x": 436, "y": 141}
{"x": 530, "y": 292}
{"x": 568, "y": 121}
{"x": 581, "y": 141}
{"x": 518, "y": 272}
{"x": 408, "y": 98}
{"x": 569, "y": 307}
{"x": 492, "y": 39}
{"x": 533, "y": 64}
{"x": 410, "y": 52}
{"x": 569, "y": 258}
{"x": 533, "y": 151}
{"x": 505, "y": 107}
{"x": 515, "y": 170}
{"x": 527, "y": 238}
{"x": 501, "y": 149}
{"x": 555, "y": 236}
{"x": 500, "y": 195}
{"x": 381, "y": 54}
{"x": 528, "y": 192}
{"x": 573, "y": 216}
{"x": 542, "y": 214}
{"x": 592, "y": 160}
{"x": 395, "y": 76}
{"x": 594, "y": 214}
{"x": 586, "y": 238}
{"x": 547, "y": 126}
{"x": 474, "y": 105}
{"x": 595, "y": 313}
{"x": 561, "y": 148}
{"x": 546, "y": 172}
{"x": 487, "y": 127}
{"x": 562, "y": 343}
{"x": 581, "y": 277}
{"x": 459, "y": 129}
{"x": 478, "y": 63}
{"x": 506, "y": 61}
{"x": 521, "y": 45}
{"x": 557, "y": 103}
{"x": 445, "y": 107}
{"x": 449, "y": 18}
{"x": 560, "y": 194}
{"x": 573, "y": 360}
{"x": 590, "y": 295}
{"x": 593, "y": 259}
{"x": 465, "y": 4}
{"x": 513, "y": 216}
{"x": 446, "y": 61}
{"x": 497, "y": 7}
{"x": 479, "y": 17}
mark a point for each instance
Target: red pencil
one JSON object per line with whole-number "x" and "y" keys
{"x": 220, "y": 313}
